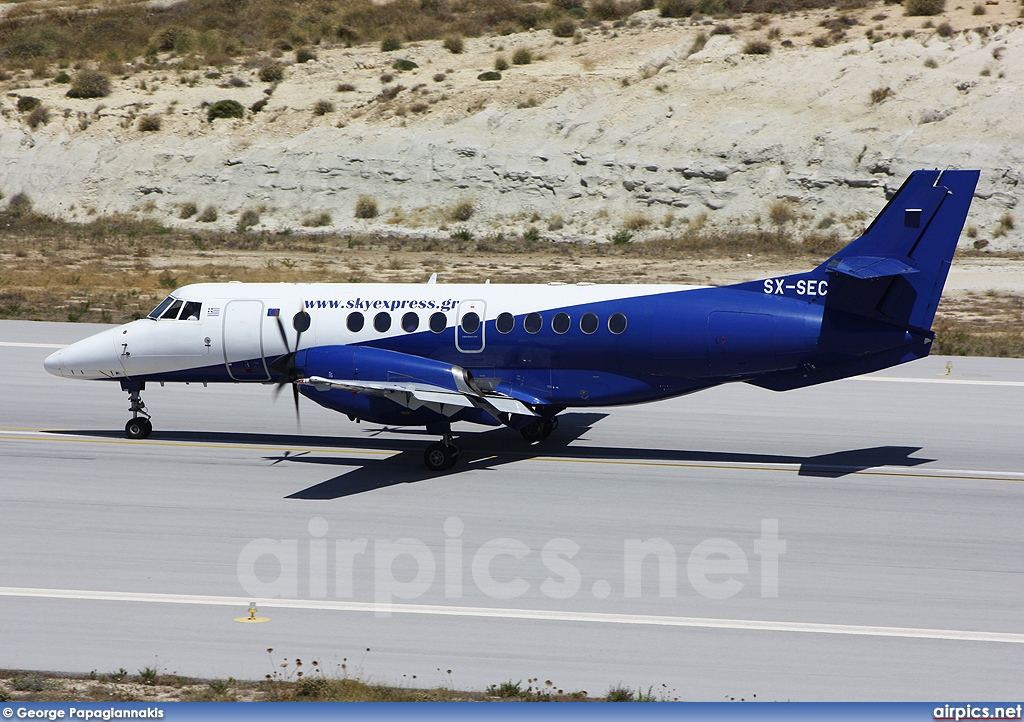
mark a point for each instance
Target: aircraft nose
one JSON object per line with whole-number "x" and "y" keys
{"x": 91, "y": 358}
{"x": 53, "y": 363}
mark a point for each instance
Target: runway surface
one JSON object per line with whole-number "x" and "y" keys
{"x": 898, "y": 499}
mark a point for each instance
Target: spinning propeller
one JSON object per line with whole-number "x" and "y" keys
{"x": 285, "y": 365}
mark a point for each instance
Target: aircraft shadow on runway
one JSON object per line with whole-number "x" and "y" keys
{"x": 498, "y": 447}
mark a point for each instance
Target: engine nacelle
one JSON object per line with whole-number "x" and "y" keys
{"x": 362, "y": 363}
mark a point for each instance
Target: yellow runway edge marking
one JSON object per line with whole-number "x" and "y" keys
{"x": 953, "y": 475}
{"x": 525, "y": 614}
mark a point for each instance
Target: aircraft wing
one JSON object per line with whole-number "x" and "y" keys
{"x": 413, "y": 395}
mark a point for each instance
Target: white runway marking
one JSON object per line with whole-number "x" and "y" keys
{"x": 528, "y": 614}
{"x": 939, "y": 380}
{"x": 19, "y": 344}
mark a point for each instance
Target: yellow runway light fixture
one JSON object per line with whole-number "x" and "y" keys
{"x": 252, "y": 618}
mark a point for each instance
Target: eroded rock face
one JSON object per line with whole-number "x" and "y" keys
{"x": 718, "y": 133}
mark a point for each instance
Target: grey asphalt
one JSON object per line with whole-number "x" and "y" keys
{"x": 900, "y": 504}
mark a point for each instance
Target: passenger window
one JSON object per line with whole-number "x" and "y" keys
{"x": 561, "y": 322}
{"x": 589, "y": 323}
{"x": 191, "y": 311}
{"x": 505, "y": 322}
{"x": 172, "y": 312}
{"x": 355, "y": 322}
{"x": 410, "y": 322}
{"x": 158, "y": 311}
{"x": 438, "y": 322}
{"x": 533, "y": 322}
{"x": 470, "y": 322}
{"x": 617, "y": 323}
{"x": 382, "y": 321}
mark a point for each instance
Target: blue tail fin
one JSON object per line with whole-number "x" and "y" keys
{"x": 896, "y": 270}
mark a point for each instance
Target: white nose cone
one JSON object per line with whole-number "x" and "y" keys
{"x": 95, "y": 357}
{"x": 53, "y": 363}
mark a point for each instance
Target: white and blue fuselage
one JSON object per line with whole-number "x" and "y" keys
{"x": 431, "y": 354}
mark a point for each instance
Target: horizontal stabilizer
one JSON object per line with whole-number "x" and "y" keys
{"x": 869, "y": 267}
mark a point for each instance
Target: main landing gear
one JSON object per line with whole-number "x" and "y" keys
{"x": 539, "y": 429}
{"x": 442, "y": 455}
{"x": 139, "y": 426}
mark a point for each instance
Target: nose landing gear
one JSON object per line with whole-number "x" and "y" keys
{"x": 139, "y": 426}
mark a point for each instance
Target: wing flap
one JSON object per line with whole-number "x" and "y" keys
{"x": 413, "y": 395}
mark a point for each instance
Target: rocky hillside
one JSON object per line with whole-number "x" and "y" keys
{"x": 647, "y": 125}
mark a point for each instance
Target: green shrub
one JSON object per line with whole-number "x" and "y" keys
{"x": 39, "y": 116}
{"x": 403, "y": 64}
{"x": 390, "y": 43}
{"x": 149, "y": 123}
{"x": 30, "y": 683}
{"x": 620, "y": 693}
{"x": 20, "y": 205}
{"x": 249, "y": 218}
{"x": 304, "y": 55}
{"x": 945, "y": 30}
{"x": 501, "y": 63}
{"x": 462, "y": 211}
{"x": 676, "y": 8}
{"x": 323, "y": 107}
{"x": 271, "y": 73}
{"x": 317, "y": 220}
{"x": 366, "y": 207}
{"x": 880, "y": 94}
{"x": 621, "y": 238}
{"x": 522, "y": 56}
{"x": 178, "y": 39}
{"x": 461, "y": 234}
{"x": 89, "y": 84}
{"x": 924, "y": 7}
{"x": 209, "y": 215}
{"x": 609, "y": 9}
{"x": 757, "y": 47}
{"x": 453, "y": 44}
{"x": 62, "y": 77}
{"x": 564, "y": 28}
{"x": 225, "y": 109}
{"x": 26, "y": 103}
{"x": 489, "y": 75}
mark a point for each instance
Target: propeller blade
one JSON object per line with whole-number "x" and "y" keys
{"x": 295, "y": 395}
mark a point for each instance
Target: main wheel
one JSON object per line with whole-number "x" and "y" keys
{"x": 138, "y": 428}
{"x": 538, "y": 429}
{"x": 439, "y": 457}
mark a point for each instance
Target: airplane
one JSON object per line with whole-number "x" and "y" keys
{"x": 517, "y": 355}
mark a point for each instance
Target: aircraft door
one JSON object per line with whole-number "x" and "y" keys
{"x": 469, "y": 326}
{"x": 243, "y": 341}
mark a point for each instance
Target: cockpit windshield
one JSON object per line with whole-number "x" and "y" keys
{"x": 172, "y": 308}
{"x": 159, "y": 310}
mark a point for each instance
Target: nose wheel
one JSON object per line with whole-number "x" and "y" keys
{"x": 139, "y": 426}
